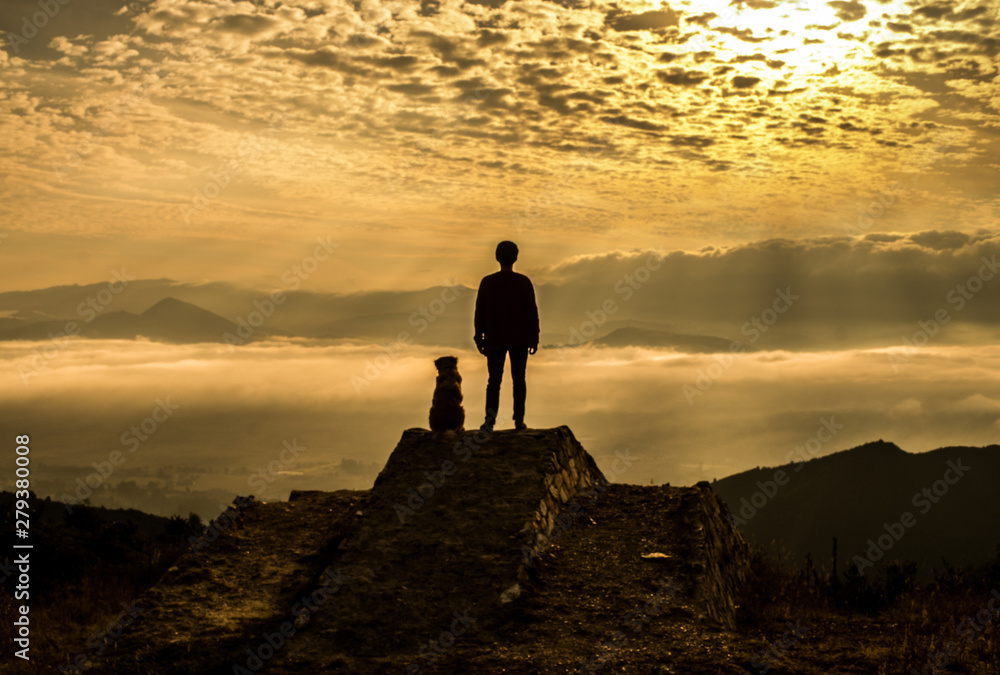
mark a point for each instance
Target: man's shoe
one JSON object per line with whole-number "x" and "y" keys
{"x": 486, "y": 426}
{"x": 520, "y": 426}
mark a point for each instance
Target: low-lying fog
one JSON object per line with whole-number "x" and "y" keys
{"x": 211, "y": 422}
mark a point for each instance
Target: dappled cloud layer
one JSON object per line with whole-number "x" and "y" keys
{"x": 709, "y": 119}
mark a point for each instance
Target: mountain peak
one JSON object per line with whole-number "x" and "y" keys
{"x": 852, "y": 494}
{"x": 172, "y": 304}
{"x": 880, "y": 446}
{"x": 174, "y": 320}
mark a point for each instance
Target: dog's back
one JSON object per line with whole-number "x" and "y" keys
{"x": 447, "y": 413}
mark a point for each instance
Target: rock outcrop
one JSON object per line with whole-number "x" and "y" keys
{"x": 470, "y": 548}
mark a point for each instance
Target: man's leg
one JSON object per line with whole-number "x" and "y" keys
{"x": 518, "y": 365}
{"x": 494, "y": 364}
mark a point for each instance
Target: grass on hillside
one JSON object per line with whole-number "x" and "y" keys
{"x": 883, "y": 622}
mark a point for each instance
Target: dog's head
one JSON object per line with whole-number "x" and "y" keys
{"x": 446, "y": 363}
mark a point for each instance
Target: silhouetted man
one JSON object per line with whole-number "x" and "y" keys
{"x": 506, "y": 323}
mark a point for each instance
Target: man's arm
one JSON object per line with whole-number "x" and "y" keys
{"x": 532, "y": 317}
{"x": 482, "y": 302}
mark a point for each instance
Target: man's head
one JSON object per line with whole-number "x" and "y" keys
{"x": 506, "y": 253}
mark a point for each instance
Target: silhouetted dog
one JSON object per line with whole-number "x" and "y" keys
{"x": 447, "y": 413}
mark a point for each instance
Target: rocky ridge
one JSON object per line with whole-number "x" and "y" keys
{"x": 470, "y": 550}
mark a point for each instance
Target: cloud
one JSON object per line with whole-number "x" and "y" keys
{"x": 946, "y": 10}
{"x": 744, "y": 82}
{"x": 848, "y": 10}
{"x": 611, "y": 398}
{"x": 948, "y": 240}
{"x": 400, "y": 62}
{"x": 745, "y": 58}
{"x": 360, "y": 85}
{"x": 489, "y": 38}
{"x": 935, "y": 11}
{"x": 691, "y": 141}
{"x": 414, "y": 88}
{"x": 624, "y": 121}
{"x": 681, "y": 77}
{"x": 652, "y": 20}
{"x": 701, "y": 19}
{"x": 251, "y": 25}
{"x": 987, "y": 46}
{"x": 326, "y": 58}
{"x": 877, "y": 286}
{"x": 66, "y": 46}
{"x": 743, "y": 34}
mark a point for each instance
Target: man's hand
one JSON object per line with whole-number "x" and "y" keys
{"x": 532, "y": 349}
{"x": 480, "y": 344}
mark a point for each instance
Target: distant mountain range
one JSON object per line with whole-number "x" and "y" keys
{"x": 204, "y": 312}
{"x": 880, "y": 502}
{"x": 169, "y": 320}
{"x": 574, "y": 311}
{"x": 170, "y": 311}
{"x": 635, "y": 336}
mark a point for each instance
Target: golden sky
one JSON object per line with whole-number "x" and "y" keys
{"x": 686, "y": 164}
{"x": 213, "y": 140}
